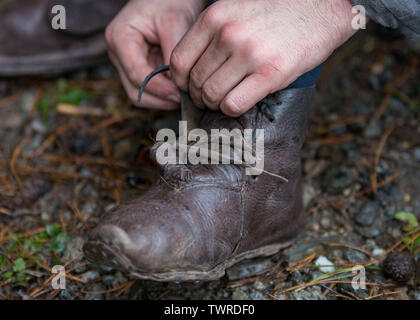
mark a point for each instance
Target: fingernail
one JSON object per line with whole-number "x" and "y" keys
{"x": 175, "y": 98}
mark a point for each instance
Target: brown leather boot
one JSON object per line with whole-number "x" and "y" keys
{"x": 198, "y": 220}
{"x": 30, "y": 45}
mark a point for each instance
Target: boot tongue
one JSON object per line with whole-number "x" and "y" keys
{"x": 84, "y": 17}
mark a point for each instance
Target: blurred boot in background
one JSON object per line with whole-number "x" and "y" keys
{"x": 31, "y": 46}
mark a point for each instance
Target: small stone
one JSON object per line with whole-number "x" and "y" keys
{"x": 361, "y": 293}
{"x": 240, "y": 294}
{"x": 296, "y": 278}
{"x": 337, "y": 179}
{"x": 257, "y": 296}
{"x": 370, "y": 232}
{"x": 367, "y": 216}
{"x": 248, "y": 268}
{"x": 95, "y": 288}
{"x": 399, "y": 266}
{"x": 309, "y": 193}
{"x": 108, "y": 279}
{"x": 327, "y": 264}
{"x": 378, "y": 252}
{"x": 89, "y": 276}
{"x": 105, "y": 268}
{"x": 259, "y": 285}
{"x": 45, "y": 216}
{"x": 417, "y": 154}
{"x": 73, "y": 249}
{"x": 300, "y": 251}
{"x": 38, "y": 126}
{"x": 373, "y": 130}
{"x": 310, "y": 293}
{"x": 109, "y": 207}
{"x": 325, "y": 223}
{"x": 280, "y": 296}
{"x": 355, "y": 256}
{"x": 337, "y": 253}
{"x": 64, "y": 294}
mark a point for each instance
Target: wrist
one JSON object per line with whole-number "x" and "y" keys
{"x": 339, "y": 19}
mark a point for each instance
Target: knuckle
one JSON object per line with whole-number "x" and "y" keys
{"x": 212, "y": 16}
{"x": 251, "y": 53}
{"x": 179, "y": 70}
{"x": 195, "y": 77}
{"x": 176, "y": 62}
{"x": 211, "y": 93}
{"x": 230, "y": 34}
{"x": 111, "y": 36}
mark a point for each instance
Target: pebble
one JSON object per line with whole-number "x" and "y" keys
{"x": 108, "y": 279}
{"x": 95, "y": 288}
{"x": 310, "y": 293}
{"x": 325, "y": 223}
{"x": 417, "y": 154}
{"x": 361, "y": 293}
{"x": 300, "y": 251}
{"x": 309, "y": 193}
{"x": 65, "y": 294}
{"x": 367, "y": 216}
{"x": 296, "y": 278}
{"x": 355, "y": 256}
{"x": 89, "y": 276}
{"x": 337, "y": 179}
{"x": 259, "y": 285}
{"x": 378, "y": 251}
{"x": 370, "y": 232}
{"x": 323, "y": 261}
{"x": 240, "y": 294}
{"x": 373, "y": 130}
{"x": 38, "y": 126}
{"x": 74, "y": 247}
{"x": 257, "y": 296}
{"x": 248, "y": 268}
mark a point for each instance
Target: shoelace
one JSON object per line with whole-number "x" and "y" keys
{"x": 262, "y": 105}
{"x": 213, "y": 154}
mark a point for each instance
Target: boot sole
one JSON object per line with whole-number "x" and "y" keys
{"x": 47, "y": 68}
{"x": 103, "y": 254}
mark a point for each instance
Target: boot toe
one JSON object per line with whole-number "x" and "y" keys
{"x": 111, "y": 246}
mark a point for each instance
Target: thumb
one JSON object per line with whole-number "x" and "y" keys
{"x": 172, "y": 29}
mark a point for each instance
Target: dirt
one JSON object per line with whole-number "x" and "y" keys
{"x": 61, "y": 168}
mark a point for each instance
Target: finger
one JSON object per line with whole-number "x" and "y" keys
{"x": 148, "y": 100}
{"x": 246, "y": 94}
{"x": 211, "y": 60}
{"x": 132, "y": 51}
{"x": 192, "y": 46}
{"x": 170, "y": 31}
{"x": 227, "y": 77}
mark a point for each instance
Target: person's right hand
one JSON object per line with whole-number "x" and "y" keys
{"x": 141, "y": 38}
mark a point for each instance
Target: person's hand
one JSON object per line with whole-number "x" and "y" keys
{"x": 239, "y": 51}
{"x": 141, "y": 38}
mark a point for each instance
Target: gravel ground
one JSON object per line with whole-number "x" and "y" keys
{"x": 62, "y": 167}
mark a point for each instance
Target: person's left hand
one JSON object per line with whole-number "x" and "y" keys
{"x": 239, "y": 51}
